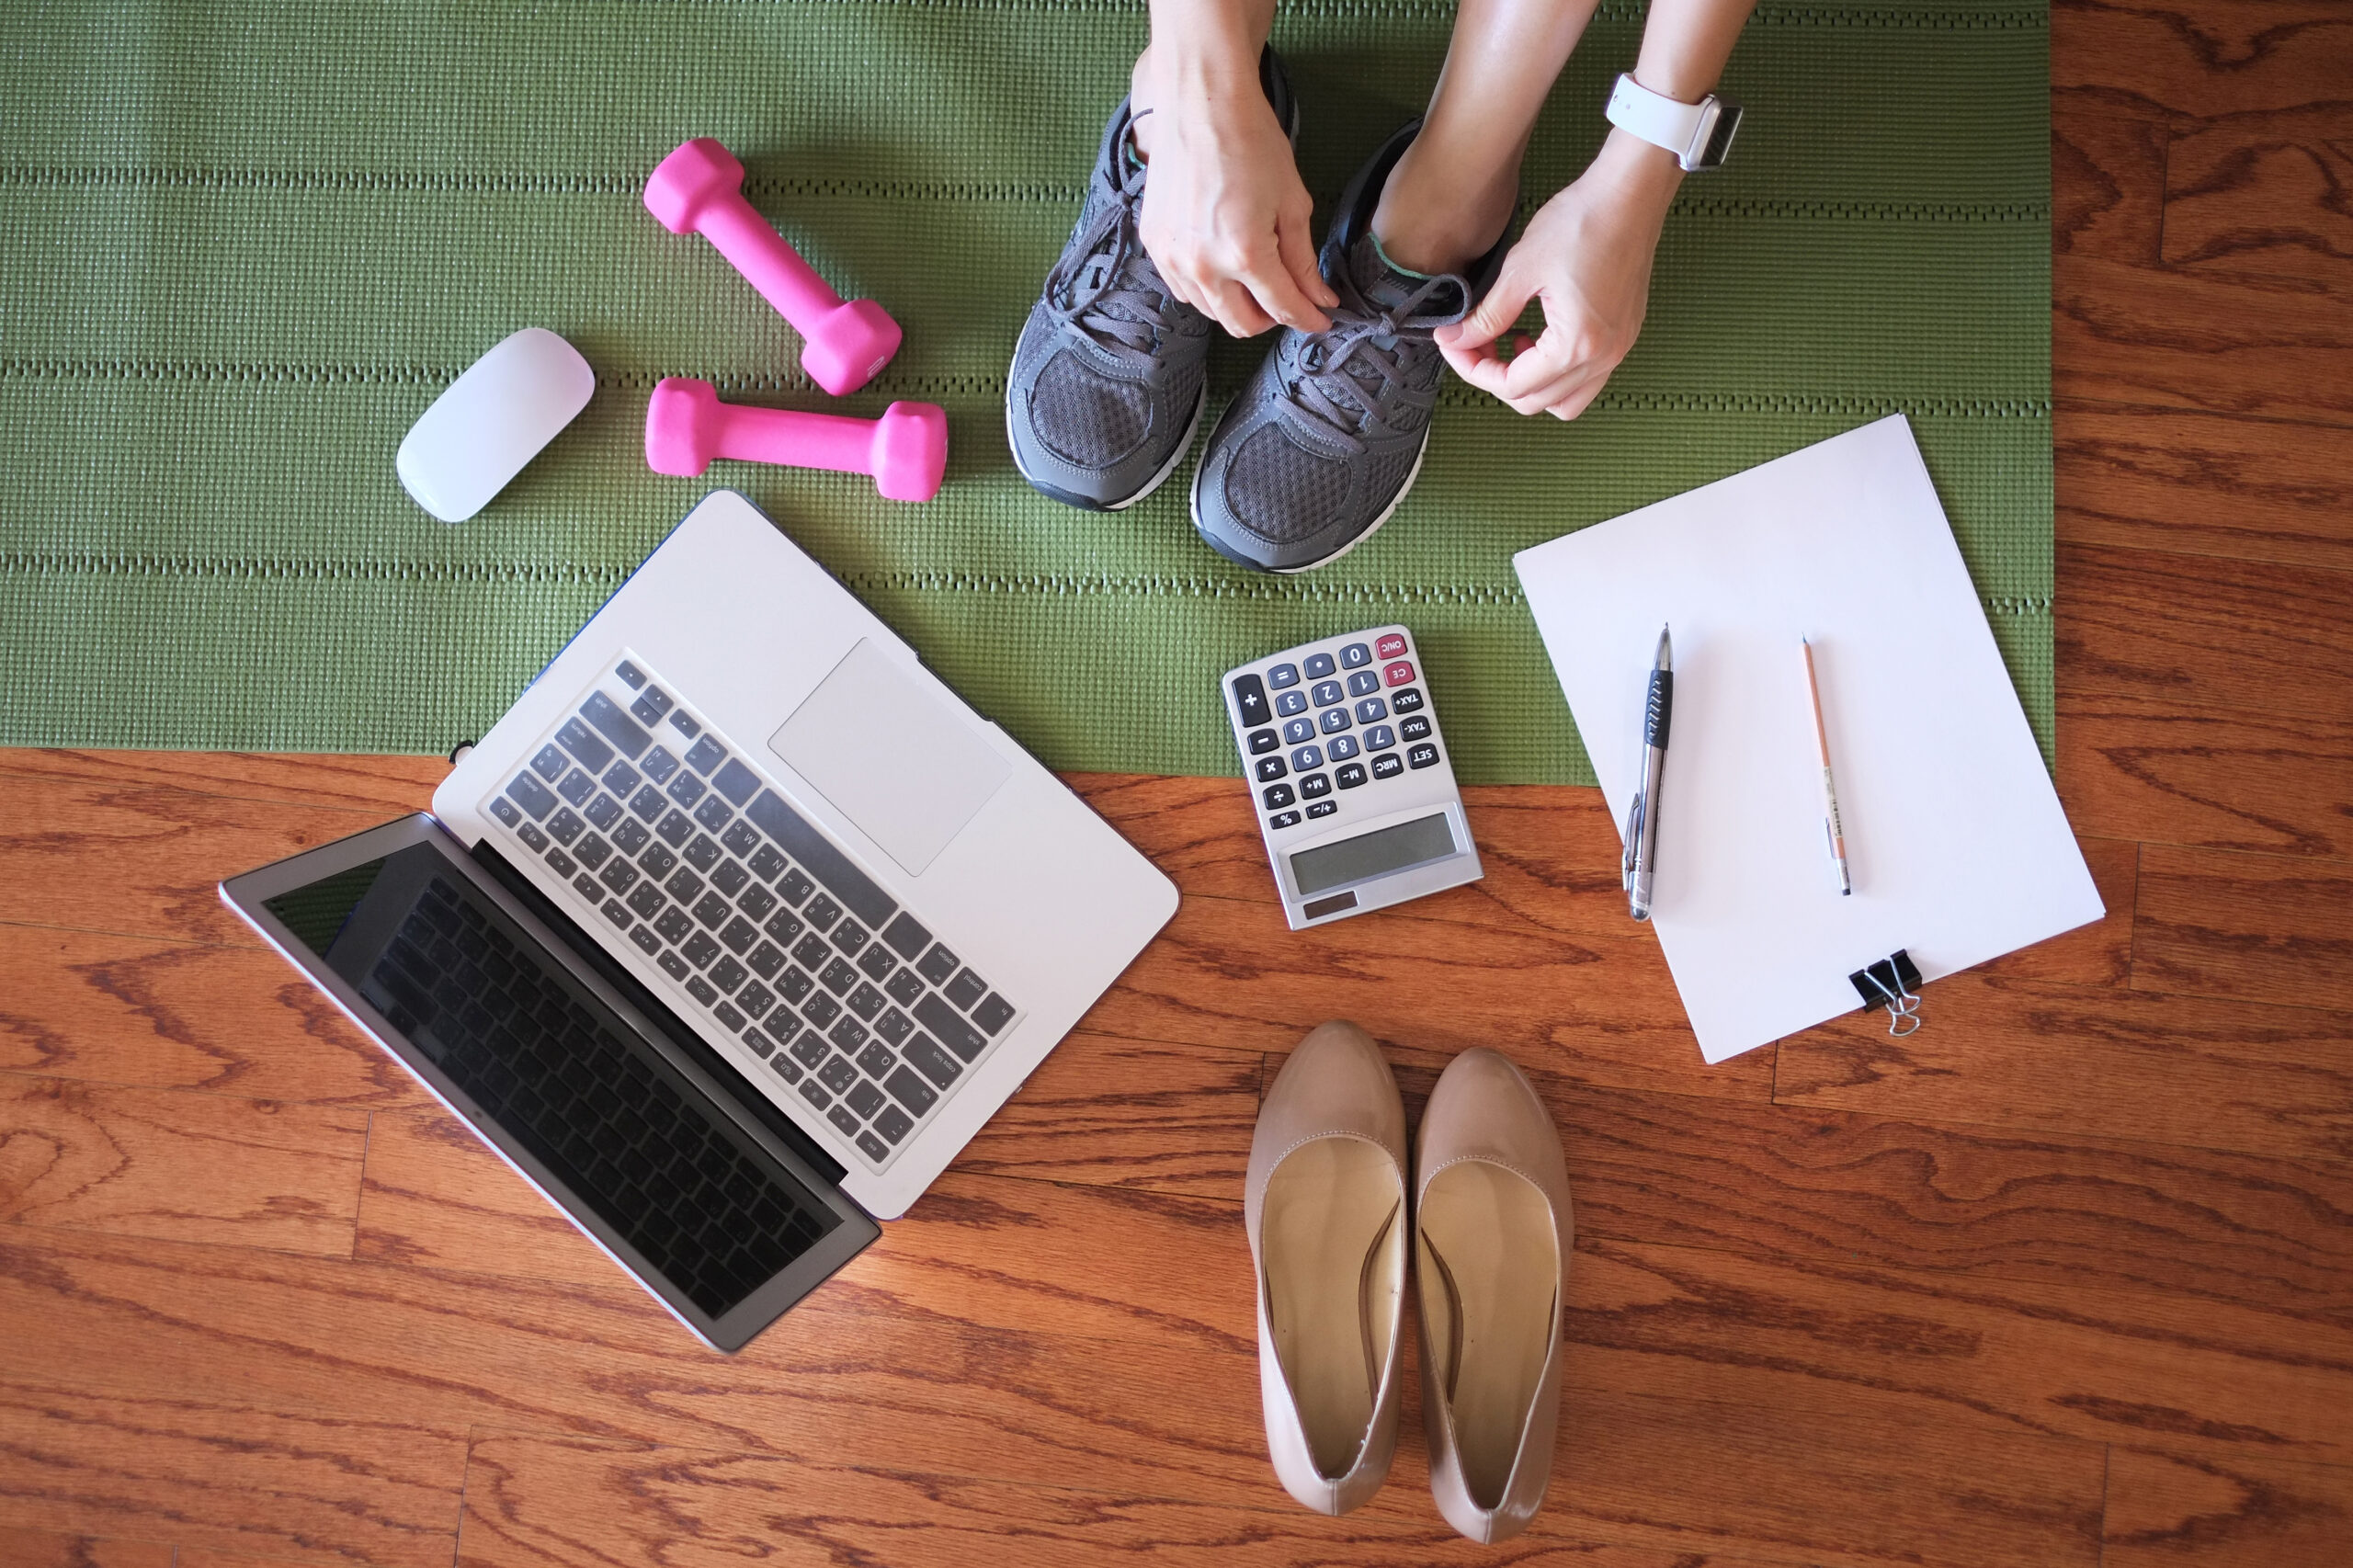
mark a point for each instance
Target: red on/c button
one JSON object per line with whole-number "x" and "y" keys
{"x": 1398, "y": 674}
{"x": 1390, "y": 646}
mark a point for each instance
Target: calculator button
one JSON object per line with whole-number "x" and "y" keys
{"x": 1388, "y": 647}
{"x": 1277, "y": 796}
{"x": 1388, "y": 764}
{"x": 1364, "y": 683}
{"x": 1349, "y": 777}
{"x": 1323, "y": 808}
{"x": 1270, "y": 769}
{"x": 1335, "y": 719}
{"x": 1423, "y": 756}
{"x": 1319, "y": 666}
{"x": 1307, "y": 758}
{"x": 1327, "y": 692}
{"x": 1355, "y": 656}
{"x": 1372, "y": 710}
{"x": 1250, "y": 699}
{"x": 1416, "y": 728}
{"x": 1380, "y": 737}
{"x": 1399, "y": 674}
{"x": 1292, "y": 702}
{"x": 1283, "y": 819}
{"x": 1299, "y": 731}
{"x": 1263, "y": 740}
{"x": 1315, "y": 786}
{"x": 1341, "y": 748}
{"x": 1406, "y": 701}
{"x": 1282, "y": 675}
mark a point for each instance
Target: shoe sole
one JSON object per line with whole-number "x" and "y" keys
{"x": 1394, "y": 502}
{"x": 1087, "y": 503}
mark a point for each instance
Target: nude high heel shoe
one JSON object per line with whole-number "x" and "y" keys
{"x": 1492, "y": 1229}
{"x": 1326, "y": 1209}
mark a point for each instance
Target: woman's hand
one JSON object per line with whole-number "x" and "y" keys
{"x": 1586, "y": 256}
{"x": 1225, "y": 214}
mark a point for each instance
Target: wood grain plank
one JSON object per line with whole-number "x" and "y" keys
{"x": 2200, "y": 57}
{"x": 2202, "y": 632}
{"x": 2151, "y": 769}
{"x": 388, "y": 786}
{"x": 2107, "y": 185}
{"x": 1835, "y": 1187}
{"x": 2249, "y": 489}
{"x": 2262, "y": 928}
{"x": 174, "y": 1015}
{"x": 2166, "y": 1511}
{"x": 47, "y": 1548}
{"x": 2074, "y": 1061}
{"x": 2266, "y": 193}
{"x": 1231, "y": 974}
{"x": 2180, "y": 338}
{"x": 301, "y": 1488}
{"x": 534, "y": 1502}
{"x": 181, "y": 1166}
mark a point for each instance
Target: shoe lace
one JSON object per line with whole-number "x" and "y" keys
{"x": 1347, "y": 375}
{"x": 1105, "y": 287}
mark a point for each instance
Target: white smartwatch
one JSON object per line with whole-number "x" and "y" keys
{"x": 1698, "y": 134}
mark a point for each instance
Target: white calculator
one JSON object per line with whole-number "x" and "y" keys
{"x": 1355, "y": 792}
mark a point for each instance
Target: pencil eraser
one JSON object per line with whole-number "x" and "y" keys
{"x": 495, "y": 418}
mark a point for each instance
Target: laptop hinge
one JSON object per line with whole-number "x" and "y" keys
{"x": 674, "y": 1028}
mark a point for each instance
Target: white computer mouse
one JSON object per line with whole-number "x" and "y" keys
{"x": 493, "y": 420}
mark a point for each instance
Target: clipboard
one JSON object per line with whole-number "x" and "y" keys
{"x": 1957, "y": 847}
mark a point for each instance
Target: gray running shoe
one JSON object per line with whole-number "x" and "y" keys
{"x": 1113, "y": 371}
{"x": 1325, "y": 439}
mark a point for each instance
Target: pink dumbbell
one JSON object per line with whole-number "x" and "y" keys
{"x": 700, "y": 187}
{"x": 905, "y": 450}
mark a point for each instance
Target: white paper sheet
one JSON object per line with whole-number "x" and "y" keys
{"x": 1957, "y": 847}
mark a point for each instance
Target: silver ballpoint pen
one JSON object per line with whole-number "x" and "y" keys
{"x": 1642, "y": 822}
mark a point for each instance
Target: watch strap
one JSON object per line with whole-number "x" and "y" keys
{"x": 1698, "y": 134}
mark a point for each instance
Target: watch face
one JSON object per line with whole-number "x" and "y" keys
{"x": 1720, "y": 138}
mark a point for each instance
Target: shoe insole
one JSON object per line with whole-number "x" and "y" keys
{"x": 1489, "y": 1281}
{"x": 1336, "y": 1261}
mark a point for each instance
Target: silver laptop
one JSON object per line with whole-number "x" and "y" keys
{"x": 733, "y": 932}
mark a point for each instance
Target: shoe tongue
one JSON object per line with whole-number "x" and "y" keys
{"x": 1386, "y": 286}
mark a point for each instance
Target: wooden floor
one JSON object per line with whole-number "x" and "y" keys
{"x": 2067, "y": 1278}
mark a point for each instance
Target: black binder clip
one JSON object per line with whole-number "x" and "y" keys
{"x": 1893, "y": 982}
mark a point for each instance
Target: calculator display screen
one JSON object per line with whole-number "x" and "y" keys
{"x": 1416, "y": 843}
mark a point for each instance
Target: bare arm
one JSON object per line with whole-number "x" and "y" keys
{"x": 1226, "y": 217}
{"x": 1586, "y": 255}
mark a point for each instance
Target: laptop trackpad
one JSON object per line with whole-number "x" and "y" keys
{"x": 903, "y": 766}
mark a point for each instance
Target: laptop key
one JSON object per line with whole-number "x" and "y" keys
{"x": 623, "y": 780}
{"x": 934, "y": 1014}
{"x": 727, "y": 974}
{"x": 894, "y": 1027}
{"x": 877, "y": 1059}
{"x": 560, "y": 863}
{"x": 550, "y": 764}
{"x": 531, "y": 795}
{"x": 903, "y": 987}
{"x": 657, "y": 861}
{"x": 729, "y": 877}
{"x": 849, "y": 935}
{"x": 685, "y": 724}
{"x": 812, "y": 952}
{"x": 890, "y": 1125}
{"x": 699, "y": 949}
{"x": 866, "y": 1002}
{"x": 735, "y": 781}
{"x": 966, "y": 989}
{"x": 644, "y": 937}
{"x": 593, "y": 851}
{"x": 873, "y": 1148}
{"x": 784, "y": 925}
{"x": 585, "y": 886}
{"x": 911, "y": 1091}
{"x": 675, "y": 829}
{"x": 817, "y": 1094}
{"x": 795, "y": 984}
{"x": 794, "y": 888}
{"x": 566, "y": 825}
{"x": 684, "y": 886}
{"x": 605, "y": 716}
{"x": 629, "y": 836}
{"x": 707, "y": 755}
{"x": 755, "y": 901}
{"x": 837, "y": 977}
{"x": 658, "y": 764}
{"x": 906, "y": 936}
{"x": 923, "y": 1053}
{"x": 739, "y": 935}
{"x": 577, "y": 788}
{"x": 621, "y": 876}
{"x": 938, "y": 965}
{"x": 840, "y": 1117}
{"x": 674, "y": 925}
{"x": 823, "y": 912}
{"x": 713, "y": 814}
{"x": 756, "y": 999}
{"x": 700, "y": 989}
{"x": 729, "y": 1018}
{"x": 618, "y": 913}
{"x": 765, "y": 960}
{"x": 742, "y": 838}
{"x": 632, "y": 677}
{"x": 531, "y": 835}
{"x": 847, "y": 1033}
{"x": 648, "y": 803}
{"x": 713, "y": 911}
{"x": 864, "y": 1099}
{"x": 503, "y": 810}
{"x": 993, "y": 1014}
{"x": 876, "y": 962}
{"x": 810, "y": 1050}
{"x": 821, "y": 1009}
{"x": 672, "y": 965}
{"x": 703, "y": 853}
{"x": 837, "y": 1073}
{"x": 647, "y": 900}
{"x": 787, "y": 1070}
{"x": 686, "y": 789}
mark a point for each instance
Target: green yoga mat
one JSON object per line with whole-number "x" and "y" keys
{"x": 243, "y": 246}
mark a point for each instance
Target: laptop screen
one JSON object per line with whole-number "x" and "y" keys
{"x": 541, "y": 1056}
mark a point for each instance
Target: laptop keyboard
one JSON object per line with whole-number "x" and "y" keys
{"x": 663, "y": 832}
{"x": 710, "y": 1218}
